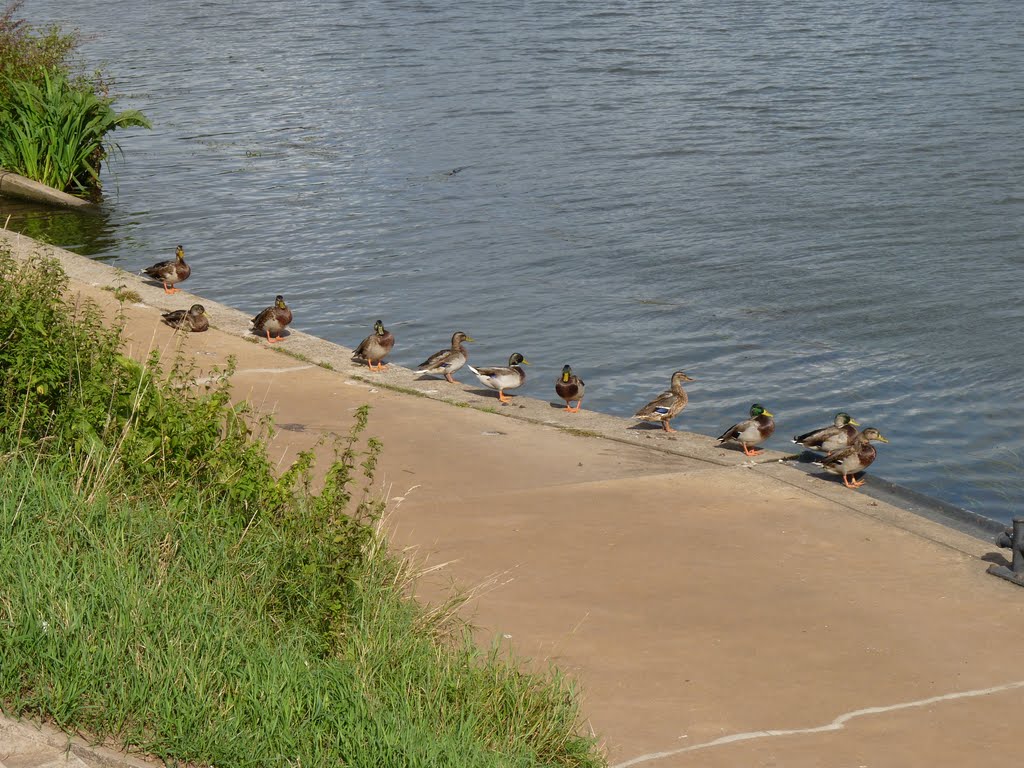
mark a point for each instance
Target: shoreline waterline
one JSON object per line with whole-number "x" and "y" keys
{"x": 313, "y": 350}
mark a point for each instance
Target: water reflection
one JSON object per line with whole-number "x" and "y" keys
{"x": 89, "y": 233}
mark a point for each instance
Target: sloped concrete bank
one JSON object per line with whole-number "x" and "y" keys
{"x": 717, "y": 610}
{"x": 785, "y": 466}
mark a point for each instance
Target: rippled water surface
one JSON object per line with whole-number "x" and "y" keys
{"x": 814, "y": 205}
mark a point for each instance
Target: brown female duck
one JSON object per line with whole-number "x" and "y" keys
{"x": 668, "y": 404}
{"x": 853, "y": 458}
{"x": 192, "y": 319}
{"x": 447, "y": 361}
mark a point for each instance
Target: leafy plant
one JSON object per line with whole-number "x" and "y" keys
{"x": 55, "y": 133}
{"x": 54, "y": 119}
{"x": 161, "y": 585}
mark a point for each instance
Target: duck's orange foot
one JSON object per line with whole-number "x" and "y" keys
{"x": 579, "y": 405}
{"x": 751, "y": 451}
{"x": 504, "y": 398}
{"x": 273, "y": 340}
{"x": 667, "y": 427}
{"x": 170, "y": 289}
{"x": 448, "y": 378}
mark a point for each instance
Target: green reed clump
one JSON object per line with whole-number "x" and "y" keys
{"x": 54, "y": 123}
{"x": 55, "y": 132}
{"x": 162, "y": 586}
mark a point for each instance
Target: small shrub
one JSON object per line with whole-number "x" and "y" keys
{"x": 26, "y": 54}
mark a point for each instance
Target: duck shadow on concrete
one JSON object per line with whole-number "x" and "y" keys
{"x": 560, "y": 406}
{"x": 649, "y": 426}
{"x": 490, "y": 394}
{"x": 262, "y": 335}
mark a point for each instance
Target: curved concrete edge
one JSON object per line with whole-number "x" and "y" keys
{"x": 13, "y": 185}
{"x": 880, "y": 499}
{"x": 961, "y": 519}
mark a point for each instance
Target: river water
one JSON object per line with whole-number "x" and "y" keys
{"x": 813, "y": 205}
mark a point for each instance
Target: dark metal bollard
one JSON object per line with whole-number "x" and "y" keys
{"x": 1015, "y": 541}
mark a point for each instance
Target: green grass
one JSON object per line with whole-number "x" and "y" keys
{"x": 391, "y": 387}
{"x": 581, "y": 432}
{"x": 124, "y": 294}
{"x": 162, "y": 586}
{"x": 194, "y": 640}
{"x": 305, "y": 358}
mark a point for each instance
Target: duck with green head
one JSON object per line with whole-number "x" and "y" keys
{"x": 668, "y": 404}
{"x": 752, "y": 431}
{"x": 375, "y": 347}
{"x": 447, "y": 361}
{"x": 837, "y": 435}
{"x": 854, "y": 458}
{"x": 273, "y": 320}
{"x": 570, "y": 387}
{"x": 192, "y": 319}
{"x": 170, "y": 272}
{"x": 504, "y": 377}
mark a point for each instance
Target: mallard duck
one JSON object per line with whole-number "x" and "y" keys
{"x": 570, "y": 387}
{"x": 170, "y": 272}
{"x": 273, "y": 320}
{"x": 502, "y": 378}
{"x": 752, "y": 431}
{"x": 375, "y": 347}
{"x": 192, "y": 319}
{"x": 668, "y": 404}
{"x": 853, "y": 458}
{"x": 839, "y": 435}
{"x": 448, "y": 361}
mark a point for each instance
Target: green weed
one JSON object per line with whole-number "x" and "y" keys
{"x": 161, "y": 585}
{"x": 581, "y": 432}
{"x": 27, "y": 54}
{"x": 391, "y": 387}
{"x": 123, "y": 294}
